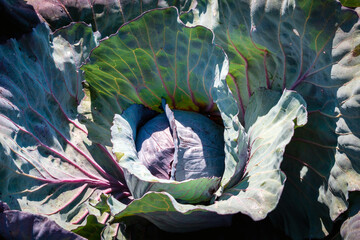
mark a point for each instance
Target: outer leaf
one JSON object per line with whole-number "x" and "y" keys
{"x": 269, "y": 131}
{"x": 281, "y": 44}
{"x": 150, "y": 58}
{"x": 169, "y": 215}
{"x": 47, "y": 164}
{"x": 235, "y": 137}
{"x": 105, "y": 16}
{"x": 249, "y": 62}
{"x": 32, "y": 226}
{"x": 326, "y": 178}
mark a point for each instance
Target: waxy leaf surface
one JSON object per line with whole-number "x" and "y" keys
{"x": 32, "y": 226}
{"x": 105, "y": 16}
{"x": 150, "y": 58}
{"x": 47, "y": 164}
{"x": 311, "y": 47}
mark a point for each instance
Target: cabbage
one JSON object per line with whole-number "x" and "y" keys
{"x": 201, "y": 115}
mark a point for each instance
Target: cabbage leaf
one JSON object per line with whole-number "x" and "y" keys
{"x": 311, "y": 47}
{"x": 48, "y": 166}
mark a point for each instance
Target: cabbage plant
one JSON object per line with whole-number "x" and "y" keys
{"x": 188, "y": 115}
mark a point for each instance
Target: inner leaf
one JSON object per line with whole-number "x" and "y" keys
{"x": 155, "y": 146}
{"x": 181, "y": 145}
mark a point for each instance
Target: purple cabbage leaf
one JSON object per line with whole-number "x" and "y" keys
{"x": 32, "y": 226}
